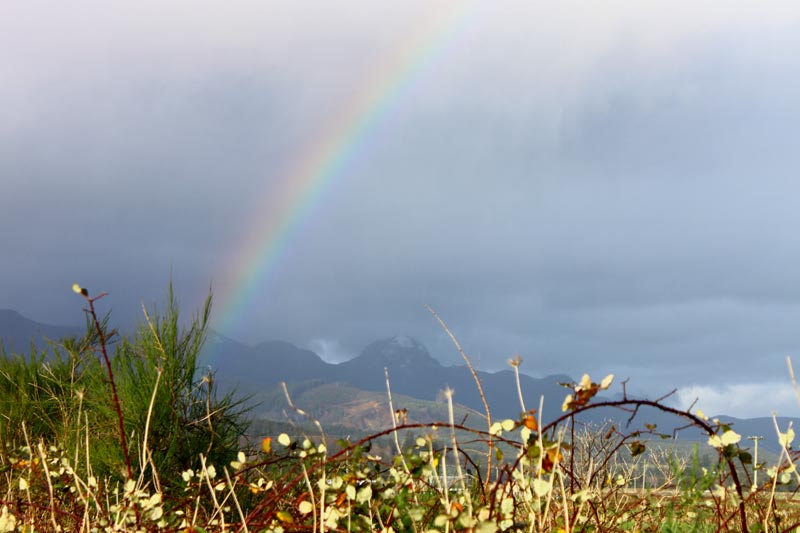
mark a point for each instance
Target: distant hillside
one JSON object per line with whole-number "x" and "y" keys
{"x": 17, "y": 332}
{"x": 348, "y": 407}
{"x": 412, "y": 371}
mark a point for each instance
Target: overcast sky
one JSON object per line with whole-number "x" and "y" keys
{"x": 597, "y": 186}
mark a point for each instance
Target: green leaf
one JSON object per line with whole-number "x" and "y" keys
{"x": 745, "y": 457}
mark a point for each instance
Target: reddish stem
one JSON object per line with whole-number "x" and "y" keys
{"x": 103, "y": 340}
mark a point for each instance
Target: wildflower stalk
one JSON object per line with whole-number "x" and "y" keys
{"x": 232, "y": 493}
{"x": 515, "y": 362}
{"x": 43, "y": 462}
{"x": 451, "y": 418}
{"x": 394, "y": 419}
{"x": 322, "y": 484}
{"x": 206, "y": 474}
{"x": 489, "y": 440}
{"x": 400, "y": 454}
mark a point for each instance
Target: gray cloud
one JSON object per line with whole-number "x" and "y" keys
{"x": 602, "y": 192}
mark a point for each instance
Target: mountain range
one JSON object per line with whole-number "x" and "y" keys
{"x": 412, "y": 372}
{"x": 19, "y": 333}
{"x": 354, "y": 393}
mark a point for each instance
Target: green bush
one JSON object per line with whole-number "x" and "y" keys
{"x": 41, "y": 395}
{"x": 186, "y": 418}
{"x": 63, "y": 394}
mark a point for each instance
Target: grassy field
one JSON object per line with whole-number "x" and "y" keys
{"x": 138, "y": 440}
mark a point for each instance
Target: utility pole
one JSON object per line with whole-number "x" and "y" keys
{"x": 755, "y": 439}
{"x": 644, "y": 476}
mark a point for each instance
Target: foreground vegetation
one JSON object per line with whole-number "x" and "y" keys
{"x": 107, "y": 433}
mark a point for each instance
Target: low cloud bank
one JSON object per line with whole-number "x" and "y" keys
{"x": 746, "y": 400}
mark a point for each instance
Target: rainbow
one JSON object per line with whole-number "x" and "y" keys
{"x": 278, "y": 221}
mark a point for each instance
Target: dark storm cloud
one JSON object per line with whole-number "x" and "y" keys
{"x": 608, "y": 193}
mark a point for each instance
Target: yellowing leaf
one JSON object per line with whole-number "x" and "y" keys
{"x": 567, "y": 405}
{"x": 305, "y": 507}
{"x": 540, "y": 487}
{"x": 284, "y": 439}
{"x": 551, "y": 458}
{"x": 285, "y": 517}
{"x": 488, "y": 527}
{"x": 241, "y": 459}
{"x": 8, "y": 522}
{"x": 507, "y": 505}
{"x": 730, "y": 437}
{"x": 785, "y": 439}
{"x": 156, "y": 513}
{"x": 266, "y": 445}
{"x": 727, "y": 438}
{"x": 606, "y": 383}
{"x": 152, "y": 501}
{"x": 364, "y": 494}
